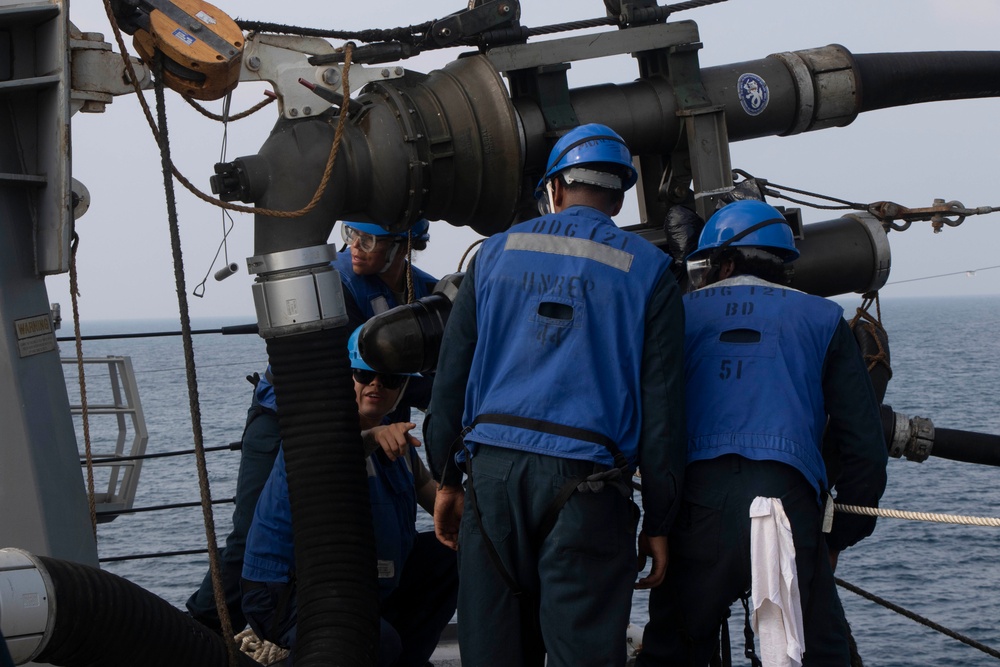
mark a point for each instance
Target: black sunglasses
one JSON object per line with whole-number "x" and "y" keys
{"x": 388, "y": 381}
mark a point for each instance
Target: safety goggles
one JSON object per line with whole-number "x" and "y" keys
{"x": 545, "y": 202}
{"x": 698, "y": 271}
{"x": 366, "y": 242}
{"x": 388, "y": 381}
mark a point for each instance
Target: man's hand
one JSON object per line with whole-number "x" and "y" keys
{"x": 834, "y": 555}
{"x": 655, "y": 547}
{"x": 394, "y": 439}
{"x": 448, "y": 507}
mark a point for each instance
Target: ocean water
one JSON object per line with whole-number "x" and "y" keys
{"x": 944, "y": 354}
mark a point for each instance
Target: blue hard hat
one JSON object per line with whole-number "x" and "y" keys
{"x": 354, "y": 353}
{"x": 418, "y": 232}
{"x": 589, "y": 144}
{"x": 734, "y": 219}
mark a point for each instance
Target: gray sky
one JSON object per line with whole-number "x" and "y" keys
{"x": 909, "y": 155}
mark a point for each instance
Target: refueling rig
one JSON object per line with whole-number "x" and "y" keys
{"x": 361, "y": 137}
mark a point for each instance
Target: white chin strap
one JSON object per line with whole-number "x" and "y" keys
{"x": 399, "y": 397}
{"x": 389, "y": 256}
{"x": 545, "y": 201}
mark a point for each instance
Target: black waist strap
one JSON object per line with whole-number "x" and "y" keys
{"x": 249, "y": 585}
{"x": 553, "y": 428}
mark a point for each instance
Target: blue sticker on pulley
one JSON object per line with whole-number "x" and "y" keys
{"x": 184, "y": 37}
{"x": 753, "y": 93}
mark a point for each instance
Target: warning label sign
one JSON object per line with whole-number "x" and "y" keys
{"x": 34, "y": 335}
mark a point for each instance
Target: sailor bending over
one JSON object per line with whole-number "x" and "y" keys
{"x": 768, "y": 370}
{"x": 377, "y": 275}
{"x": 418, "y": 576}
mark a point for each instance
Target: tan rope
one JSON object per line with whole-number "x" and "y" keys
{"x": 874, "y": 326}
{"x": 410, "y": 296}
{"x": 461, "y": 262}
{"x": 169, "y": 169}
{"x": 259, "y": 649}
{"x": 348, "y": 50}
{"x": 74, "y": 292}
{"x": 194, "y": 402}
{"x": 918, "y": 516}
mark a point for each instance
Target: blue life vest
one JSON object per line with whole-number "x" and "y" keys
{"x": 561, "y": 309}
{"x": 264, "y": 391}
{"x": 394, "y": 513}
{"x": 371, "y": 293}
{"x": 270, "y": 555}
{"x": 754, "y": 357}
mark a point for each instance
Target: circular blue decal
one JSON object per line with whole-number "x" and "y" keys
{"x": 753, "y": 93}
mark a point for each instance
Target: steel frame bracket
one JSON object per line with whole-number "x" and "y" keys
{"x": 702, "y": 156}
{"x": 282, "y": 60}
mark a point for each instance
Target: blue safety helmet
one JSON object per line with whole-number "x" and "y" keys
{"x": 589, "y": 144}
{"x": 354, "y": 354}
{"x": 734, "y": 220}
{"x": 418, "y": 232}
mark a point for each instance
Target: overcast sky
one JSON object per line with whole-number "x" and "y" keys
{"x": 909, "y": 155}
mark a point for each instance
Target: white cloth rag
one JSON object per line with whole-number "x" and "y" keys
{"x": 776, "y": 617}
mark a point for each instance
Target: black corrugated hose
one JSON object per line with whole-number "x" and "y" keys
{"x": 103, "y": 620}
{"x": 337, "y": 583}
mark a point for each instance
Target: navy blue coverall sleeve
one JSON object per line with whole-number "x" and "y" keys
{"x": 855, "y": 429}
{"x": 443, "y": 422}
{"x": 663, "y": 441}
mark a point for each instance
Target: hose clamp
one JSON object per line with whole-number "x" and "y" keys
{"x": 921, "y": 441}
{"x": 297, "y": 291}
{"x": 912, "y": 438}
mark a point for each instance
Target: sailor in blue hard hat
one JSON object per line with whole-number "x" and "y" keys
{"x": 376, "y": 268}
{"x": 377, "y": 274}
{"x": 560, "y": 371}
{"x": 367, "y": 237}
{"x": 377, "y": 271}
{"x": 590, "y": 154}
{"x": 417, "y": 576}
{"x": 373, "y": 402}
{"x": 774, "y": 383}
{"x": 760, "y": 232}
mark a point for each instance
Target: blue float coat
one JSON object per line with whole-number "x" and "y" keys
{"x": 754, "y": 357}
{"x": 370, "y": 293}
{"x": 270, "y": 555}
{"x": 565, "y": 291}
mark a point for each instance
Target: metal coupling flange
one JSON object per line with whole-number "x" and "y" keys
{"x": 297, "y": 291}
{"x": 27, "y": 606}
{"x": 921, "y": 441}
{"x": 912, "y": 438}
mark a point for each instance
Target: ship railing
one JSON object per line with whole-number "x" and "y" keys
{"x": 118, "y": 469}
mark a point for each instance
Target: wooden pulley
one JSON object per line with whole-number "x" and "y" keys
{"x": 202, "y": 46}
